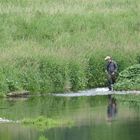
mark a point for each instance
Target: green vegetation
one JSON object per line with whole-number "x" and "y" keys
{"x": 129, "y": 79}
{"x": 59, "y": 45}
{"x": 43, "y": 123}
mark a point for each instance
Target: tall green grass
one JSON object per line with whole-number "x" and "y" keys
{"x": 60, "y": 45}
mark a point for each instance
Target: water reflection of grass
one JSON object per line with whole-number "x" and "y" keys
{"x": 43, "y": 123}
{"x": 42, "y": 138}
{"x": 129, "y": 99}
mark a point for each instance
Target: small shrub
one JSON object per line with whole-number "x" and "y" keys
{"x": 129, "y": 79}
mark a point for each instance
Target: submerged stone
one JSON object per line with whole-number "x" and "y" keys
{"x": 18, "y": 94}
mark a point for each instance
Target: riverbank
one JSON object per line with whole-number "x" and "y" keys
{"x": 83, "y": 93}
{"x": 60, "y": 46}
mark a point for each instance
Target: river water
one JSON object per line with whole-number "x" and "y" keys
{"x": 95, "y": 117}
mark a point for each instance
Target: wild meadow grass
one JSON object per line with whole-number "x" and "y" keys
{"x": 60, "y": 45}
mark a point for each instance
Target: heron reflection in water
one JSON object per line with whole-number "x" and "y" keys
{"x": 111, "y": 108}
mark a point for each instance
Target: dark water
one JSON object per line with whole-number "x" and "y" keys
{"x": 95, "y": 117}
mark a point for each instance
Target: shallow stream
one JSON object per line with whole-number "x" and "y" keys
{"x": 95, "y": 118}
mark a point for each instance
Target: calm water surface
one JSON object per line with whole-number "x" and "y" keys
{"x": 95, "y": 117}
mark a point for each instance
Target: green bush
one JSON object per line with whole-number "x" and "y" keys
{"x": 129, "y": 79}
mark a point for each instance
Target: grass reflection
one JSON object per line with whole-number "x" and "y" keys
{"x": 42, "y": 138}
